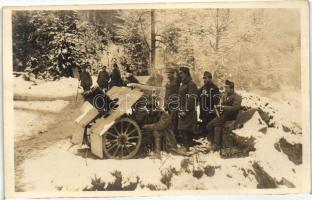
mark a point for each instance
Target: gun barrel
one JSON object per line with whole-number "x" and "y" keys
{"x": 217, "y": 111}
{"x": 144, "y": 87}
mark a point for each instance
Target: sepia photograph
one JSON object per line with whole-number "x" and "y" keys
{"x": 163, "y": 99}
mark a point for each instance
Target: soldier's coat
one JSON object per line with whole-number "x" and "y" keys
{"x": 86, "y": 79}
{"x": 188, "y": 96}
{"x": 103, "y": 79}
{"x": 208, "y": 96}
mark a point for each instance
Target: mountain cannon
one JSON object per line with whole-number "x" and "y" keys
{"x": 116, "y": 133}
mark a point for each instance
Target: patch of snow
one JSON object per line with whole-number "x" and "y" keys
{"x": 280, "y": 110}
{"x": 129, "y": 111}
{"x": 42, "y": 106}
{"x": 65, "y": 87}
{"x": 59, "y": 166}
{"x": 274, "y": 162}
{"x": 27, "y": 124}
{"x": 57, "y": 162}
{"x": 252, "y": 127}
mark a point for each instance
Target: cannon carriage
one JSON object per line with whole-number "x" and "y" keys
{"x": 116, "y": 134}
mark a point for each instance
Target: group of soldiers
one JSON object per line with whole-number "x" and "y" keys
{"x": 177, "y": 121}
{"x": 105, "y": 80}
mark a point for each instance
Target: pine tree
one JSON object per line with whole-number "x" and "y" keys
{"x": 52, "y": 43}
{"x": 133, "y": 33}
{"x": 22, "y": 46}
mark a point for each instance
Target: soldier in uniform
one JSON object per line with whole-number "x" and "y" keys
{"x": 85, "y": 78}
{"x": 171, "y": 98}
{"x": 115, "y": 77}
{"x": 208, "y": 97}
{"x": 159, "y": 123}
{"x": 187, "y": 106}
{"x": 103, "y": 78}
{"x": 229, "y": 108}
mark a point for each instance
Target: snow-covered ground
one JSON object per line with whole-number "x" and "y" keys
{"x": 26, "y": 124}
{"x": 34, "y": 117}
{"x": 41, "y": 106}
{"x": 234, "y": 173}
{"x": 64, "y": 88}
{"x": 61, "y": 166}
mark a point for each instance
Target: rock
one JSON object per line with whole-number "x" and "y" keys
{"x": 251, "y": 172}
{"x": 263, "y": 178}
{"x": 210, "y": 170}
{"x": 166, "y": 179}
{"x": 117, "y": 184}
{"x": 96, "y": 185}
{"x": 151, "y": 187}
{"x": 293, "y": 151}
{"x": 42, "y": 132}
{"x": 198, "y": 173}
{"x": 235, "y": 146}
{"x": 287, "y": 183}
{"x": 244, "y": 172}
{"x": 264, "y": 116}
{"x": 245, "y": 115}
{"x": 167, "y": 176}
{"x": 185, "y": 163}
{"x": 263, "y": 130}
{"x": 131, "y": 185}
{"x": 277, "y": 147}
{"x": 285, "y": 128}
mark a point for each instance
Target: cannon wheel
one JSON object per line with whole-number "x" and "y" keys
{"x": 122, "y": 140}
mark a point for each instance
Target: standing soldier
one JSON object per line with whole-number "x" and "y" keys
{"x": 85, "y": 78}
{"x": 103, "y": 79}
{"x": 230, "y": 106}
{"x": 187, "y": 108}
{"x": 171, "y": 98}
{"x": 115, "y": 77}
{"x": 208, "y": 96}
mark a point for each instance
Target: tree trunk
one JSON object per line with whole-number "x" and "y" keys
{"x": 217, "y": 32}
{"x": 153, "y": 40}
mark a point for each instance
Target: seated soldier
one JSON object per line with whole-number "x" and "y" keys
{"x": 102, "y": 102}
{"x": 158, "y": 121}
{"x": 98, "y": 99}
{"x": 229, "y": 108}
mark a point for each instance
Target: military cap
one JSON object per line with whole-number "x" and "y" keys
{"x": 229, "y": 83}
{"x": 169, "y": 70}
{"x": 207, "y": 74}
{"x": 185, "y": 70}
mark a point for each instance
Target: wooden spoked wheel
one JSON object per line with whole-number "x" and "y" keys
{"x": 122, "y": 140}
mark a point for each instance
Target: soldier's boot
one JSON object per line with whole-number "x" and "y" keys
{"x": 217, "y": 139}
{"x": 157, "y": 147}
{"x": 185, "y": 140}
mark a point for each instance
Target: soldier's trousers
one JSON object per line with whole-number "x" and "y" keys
{"x": 174, "y": 121}
{"x": 205, "y": 120}
{"x": 217, "y": 124}
{"x": 168, "y": 137}
{"x": 186, "y": 137}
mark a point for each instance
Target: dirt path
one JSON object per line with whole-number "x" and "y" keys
{"x": 62, "y": 127}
